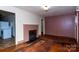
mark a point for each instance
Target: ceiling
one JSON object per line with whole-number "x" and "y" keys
{"x": 52, "y": 11}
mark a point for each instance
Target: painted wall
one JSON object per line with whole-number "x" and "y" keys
{"x": 63, "y": 25}
{"x": 22, "y": 17}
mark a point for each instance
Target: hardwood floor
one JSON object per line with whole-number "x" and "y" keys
{"x": 43, "y": 44}
{"x": 4, "y": 43}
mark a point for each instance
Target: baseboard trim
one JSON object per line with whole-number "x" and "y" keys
{"x": 21, "y": 42}
{"x": 59, "y": 36}
{"x": 68, "y": 40}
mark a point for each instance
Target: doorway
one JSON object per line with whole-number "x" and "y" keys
{"x": 7, "y": 29}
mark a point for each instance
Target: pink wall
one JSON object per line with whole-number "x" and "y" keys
{"x": 26, "y": 30}
{"x": 63, "y": 25}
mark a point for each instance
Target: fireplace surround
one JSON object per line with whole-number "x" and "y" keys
{"x": 30, "y": 32}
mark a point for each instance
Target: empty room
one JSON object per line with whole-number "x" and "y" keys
{"x": 7, "y": 29}
{"x": 39, "y": 29}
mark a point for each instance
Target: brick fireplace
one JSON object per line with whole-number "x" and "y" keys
{"x": 30, "y": 32}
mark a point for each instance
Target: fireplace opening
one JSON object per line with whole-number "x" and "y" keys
{"x": 32, "y": 35}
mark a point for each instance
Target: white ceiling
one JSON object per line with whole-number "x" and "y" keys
{"x": 53, "y": 10}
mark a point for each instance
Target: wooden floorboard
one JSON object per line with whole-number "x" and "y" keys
{"x": 43, "y": 44}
